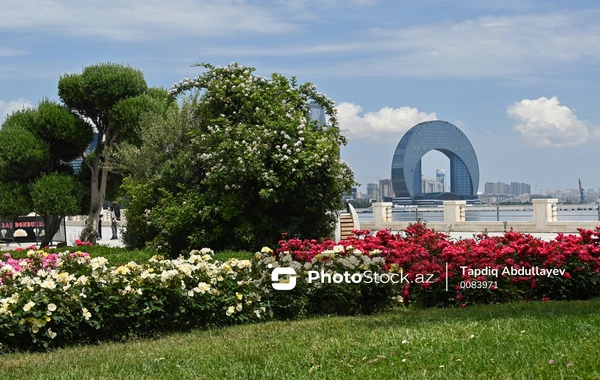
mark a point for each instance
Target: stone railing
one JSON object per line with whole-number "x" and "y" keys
{"x": 544, "y": 220}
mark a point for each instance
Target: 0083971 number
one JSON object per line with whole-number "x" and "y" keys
{"x": 478, "y": 285}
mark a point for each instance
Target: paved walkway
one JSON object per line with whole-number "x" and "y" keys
{"x": 547, "y": 236}
{"x": 73, "y": 232}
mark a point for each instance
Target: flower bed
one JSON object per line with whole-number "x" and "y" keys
{"x": 49, "y": 299}
{"x": 512, "y": 267}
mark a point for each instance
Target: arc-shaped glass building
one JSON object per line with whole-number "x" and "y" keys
{"x": 443, "y": 137}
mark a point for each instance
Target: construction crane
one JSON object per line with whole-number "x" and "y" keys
{"x": 581, "y": 192}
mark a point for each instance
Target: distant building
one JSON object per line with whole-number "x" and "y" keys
{"x": 496, "y": 188}
{"x": 373, "y": 191}
{"x": 446, "y": 138}
{"x": 386, "y": 190}
{"x": 440, "y": 175}
{"x": 76, "y": 163}
{"x": 517, "y": 188}
{"x": 430, "y": 185}
{"x": 317, "y": 113}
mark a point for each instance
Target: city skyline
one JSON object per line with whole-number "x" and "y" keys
{"x": 519, "y": 78}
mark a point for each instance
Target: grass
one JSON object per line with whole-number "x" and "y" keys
{"x": 119, "y": 256}
{"x": 513, "y": 341}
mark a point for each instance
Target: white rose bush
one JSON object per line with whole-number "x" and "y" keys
{"x": 49, "y": 300}
{"x": 327, "y": 297}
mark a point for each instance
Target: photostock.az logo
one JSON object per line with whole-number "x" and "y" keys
{"x": 283, "y": 271}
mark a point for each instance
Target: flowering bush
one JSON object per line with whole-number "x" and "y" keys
{"x": 421, "y": 256}
{"x": 80, "y": 243}
{"x": 47, "y": 300}
{"x": 230, "y": 167}
{"x": 327, "y": 297}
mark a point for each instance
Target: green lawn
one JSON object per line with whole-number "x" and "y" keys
{"x": 119, "y": 256}
{"x": 514, "y": 341}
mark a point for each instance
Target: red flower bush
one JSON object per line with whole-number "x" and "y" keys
{"x": 512, "y": 267}
{"x": 80, "y": 243}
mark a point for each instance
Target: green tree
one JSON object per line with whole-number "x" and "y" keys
{"x": 238, "y": 164}
{"x": 112, "y": 97}
{"x": 55, "y": 196}
{"x": 36, "y": 144}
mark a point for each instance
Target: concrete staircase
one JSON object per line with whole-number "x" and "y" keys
{"x": 346, "y": 224}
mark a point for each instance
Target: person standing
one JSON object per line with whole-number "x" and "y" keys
{"x": 99, "y": 234}
{"x": 113, "y": 223}
{"x": 117, "y": 209}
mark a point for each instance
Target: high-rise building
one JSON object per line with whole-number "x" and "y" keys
{"x": 430, "y": 185}
{"x": 443, "y": 137}
{"x": 373, "y": 191}
{"x": 317, "y": 113}
{"x": 440, "y": 175}
{"x": 76, "y": 163}
{"x": 386, "y": 190}
{"x": 500, "y": 188}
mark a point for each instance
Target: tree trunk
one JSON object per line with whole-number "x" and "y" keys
{"x": 98, "y": 193}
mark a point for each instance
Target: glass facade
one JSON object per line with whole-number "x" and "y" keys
{"x": 441, "y": 136}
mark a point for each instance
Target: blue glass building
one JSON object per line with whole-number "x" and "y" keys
{"x": 443, "y": 137}
{"x": 317, "y": 113}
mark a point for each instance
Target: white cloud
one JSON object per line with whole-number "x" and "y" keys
{"x": 7, "y": 108}
{"x": 506, "y": 46}
{"x": 4, "y": 52}
{"x": 544, "y": 123}
{"x": 136, "y": 20}
{"x": 490, "y": 46}
{"x": 324, "y": 4}
{"x": 387, "y": 122}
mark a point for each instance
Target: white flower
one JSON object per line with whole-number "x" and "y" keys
{"x": 230, "y": 311}
{"x": 86, "y": 314}
{"x": 98, "y": 262}
{"x": 83, "y": 280}
{"x": 238, "y": 307}
{"x": 28, "y": 306}
{"x": 48, "y": 284}
{"x": 207, "y": 251}
{"x": 51, "y": 334}
{"x": 51, "y": 307}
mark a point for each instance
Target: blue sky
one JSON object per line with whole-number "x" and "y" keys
{"x": 519, "y": 77}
